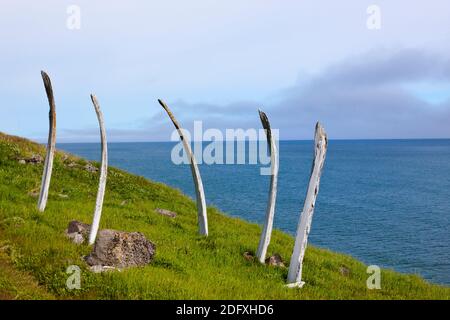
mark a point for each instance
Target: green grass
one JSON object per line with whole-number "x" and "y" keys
{"x": 34, "y": 252}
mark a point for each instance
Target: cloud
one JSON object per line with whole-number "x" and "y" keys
{"x": 377, "y": 67}
{"x": 365, "y": 96}
{"x": 158, "y": 127}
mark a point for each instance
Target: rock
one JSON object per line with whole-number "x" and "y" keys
{"x": 165, "y": 212}
{"x": 72, "y": 165}
{"x": 35, "y": 158}
{"x": 344, "y": 271}
{"x": 248, "y": 256}
{"x": 99, "y": 268}
{"x": 120, "y": 249}
{"x": 78, "y": 232}
{"x": 77, "y": 226}
{"x": 33, "y": 193}
{"x": 76, "y": 237}
{"x": 89, "y": 167}
{"x": 275, "y": 261}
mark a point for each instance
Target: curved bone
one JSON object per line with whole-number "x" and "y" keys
{"x": 201, "y": 202}
{"x": 103, "y": 173}
{"x": 294, "y": 278}
{"x": 48, "y": 164}
{"x": 270, "y": 211}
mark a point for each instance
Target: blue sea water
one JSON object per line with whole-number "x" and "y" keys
{"x": 385, "y": 202}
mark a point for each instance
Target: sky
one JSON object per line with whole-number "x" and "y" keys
{"x": 221, "y": 61}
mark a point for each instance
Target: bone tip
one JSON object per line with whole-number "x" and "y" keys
{"x": 320, "y": 130}
{"x": 45, "y": 76}
{"x": 262, "y": 114}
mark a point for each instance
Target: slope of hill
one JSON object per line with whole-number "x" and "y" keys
{"x": 35, "y": 253}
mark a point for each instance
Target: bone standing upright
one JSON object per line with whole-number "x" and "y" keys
{"x": 270, "y": 211}
{"x": 48, "y": 164}
{"x": 103, "y": 173}
{"x": 294, "y": 278}
{"x": 201, "y": 202}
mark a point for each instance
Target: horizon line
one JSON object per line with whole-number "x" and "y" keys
{"x": 281, "y": 140}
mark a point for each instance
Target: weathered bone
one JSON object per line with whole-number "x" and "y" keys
{"x": 48, "y": 164}
{"x": 294, "y": 278}
{"x": 103, "y": 173}
{"x": 270, "y": 211}
{"x": 201, "y": 202}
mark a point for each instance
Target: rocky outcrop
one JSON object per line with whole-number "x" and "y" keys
{"x": 120, "y": 249}
{"x": 113, "y": 249}
{"x": 34, "y": 159}
{"x": 90, "y": 168}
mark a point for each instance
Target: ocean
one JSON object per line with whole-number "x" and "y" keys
{"x": 385, "y": 202}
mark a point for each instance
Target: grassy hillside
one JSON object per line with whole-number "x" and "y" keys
{"x": 34, "y": 252}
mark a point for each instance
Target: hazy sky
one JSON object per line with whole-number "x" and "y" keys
{"x": 219, "y": 61}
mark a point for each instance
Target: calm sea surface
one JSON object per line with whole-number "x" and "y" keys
{"x": 385, "y": 202}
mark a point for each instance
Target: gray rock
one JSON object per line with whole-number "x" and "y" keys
{"x": 34, "y": 159}
{"x": 344, "y": 271}
{"x": 89, "y": 167}
{"x": 120, "y": 249}
{"x": 99, "y": 268}
{"x": 275, "y": 261}
{"x": 76, "y": 237}
{"x": 78, "y": 232}
{"x": 77, "y": 226}
{"x": 165, "y": 212}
